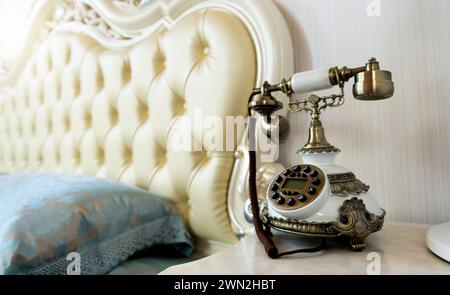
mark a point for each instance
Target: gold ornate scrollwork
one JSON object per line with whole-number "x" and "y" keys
{"x": 346, "y": 184}
{"x": 354, "y": 222}
{"x": 77, "y": 11}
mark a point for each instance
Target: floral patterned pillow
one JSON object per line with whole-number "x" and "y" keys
{"x": 62, "y": 224}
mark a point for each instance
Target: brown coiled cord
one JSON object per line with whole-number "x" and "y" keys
{"x": 264, "y": 236}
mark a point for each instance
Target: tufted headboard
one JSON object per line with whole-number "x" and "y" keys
{"x": 115, "y": 88}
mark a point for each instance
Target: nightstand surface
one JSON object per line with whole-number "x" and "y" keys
{"x": 400, "y": 247}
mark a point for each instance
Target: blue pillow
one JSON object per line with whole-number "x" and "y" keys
{"x": 61, "y": 224}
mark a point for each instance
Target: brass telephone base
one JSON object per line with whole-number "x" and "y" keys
{"x": 354, "y": 223}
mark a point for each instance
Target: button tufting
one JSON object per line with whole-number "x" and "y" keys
{"x": 160, "y": 62}
{"x": 100, "y": 79}
{"x": 67, "y": 123}
{"x": 68, "y": 55}
{"x": 143, "y": 112}
{"x": 77, "y": 157}
{"x": 162, "y": 156}
{"x": 88, "y": 119}
{"x": 126, "y": 71}
{"x": 127, "y": 155}
{"x": 101, "y": 156}
{"x": 113, "y": 116}
{"x": 77, "y": 87}
{"x": 206, "y": 50}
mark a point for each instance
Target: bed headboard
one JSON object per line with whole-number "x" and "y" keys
{"x": 115, "y": 88}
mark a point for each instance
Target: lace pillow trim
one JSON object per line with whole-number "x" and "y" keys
{"x": 102, "y": 257}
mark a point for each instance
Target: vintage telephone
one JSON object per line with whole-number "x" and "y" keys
{"x": 315, "y": 198}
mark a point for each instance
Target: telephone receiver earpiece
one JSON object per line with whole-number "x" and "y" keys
{"x": 373, "y": 83}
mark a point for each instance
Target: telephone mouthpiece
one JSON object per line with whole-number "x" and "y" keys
{"x": 277, "y": 130}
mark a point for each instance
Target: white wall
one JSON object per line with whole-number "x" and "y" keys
{"x": 401, "y": 146}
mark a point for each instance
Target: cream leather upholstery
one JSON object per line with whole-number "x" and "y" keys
{"x": 81, "y": 108}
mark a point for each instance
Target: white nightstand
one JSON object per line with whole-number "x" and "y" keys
{"x": 400, "y": 249}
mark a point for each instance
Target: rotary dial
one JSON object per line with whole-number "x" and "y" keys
{"x": 296, "y": 187}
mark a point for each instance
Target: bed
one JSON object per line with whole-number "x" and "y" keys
{"x": 113, "y": 89}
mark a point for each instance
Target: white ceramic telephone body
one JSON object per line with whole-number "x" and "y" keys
{"x": 310, "y": 198}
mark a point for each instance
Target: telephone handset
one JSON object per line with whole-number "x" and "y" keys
{"x": 317, "y": 197}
